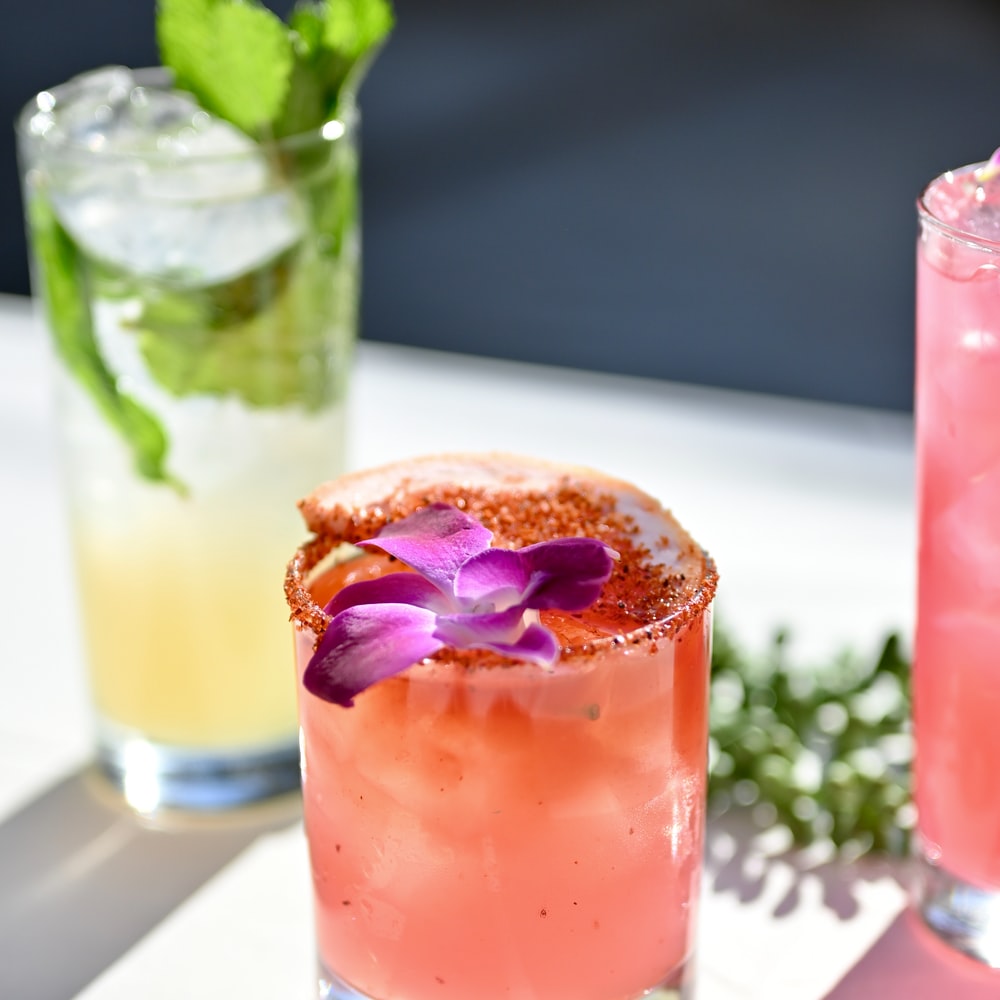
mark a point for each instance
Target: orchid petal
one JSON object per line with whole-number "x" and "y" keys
{"x": 393, "y": 588}
{"x": 536, "y": 644}
{"x": 990, "y": 169}
{"x": 462, "y": 593}
{"x": 434, "y": 541}
{"x": 368, "y": 643}
{"x": 567, "y": 574}
{"x": 503, "y": 632}
{"x": 499, "y": 576}
{"x": 475, "y": 629}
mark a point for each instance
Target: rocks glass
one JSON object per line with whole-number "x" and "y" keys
{"x": 483, "y": 827}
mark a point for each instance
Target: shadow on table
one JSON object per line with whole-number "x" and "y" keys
{"x": 82, "y": 879}
{"x": 906, "y": 963}
{"x": 741, "y": 860}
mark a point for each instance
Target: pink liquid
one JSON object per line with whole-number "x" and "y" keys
{"x": 507, "y": 833}
{"x": 957, "y": 661}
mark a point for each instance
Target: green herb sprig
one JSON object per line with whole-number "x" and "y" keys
{"x": 281, "y": 333}
{"x": 271, "y": 78}
{"x": 824, "y": 752}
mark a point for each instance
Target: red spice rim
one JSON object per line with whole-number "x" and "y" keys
{"x": 582, "y": 497}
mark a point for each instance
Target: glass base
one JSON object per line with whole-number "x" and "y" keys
{"x": 678, "y": 986}
{"x": 151, "y": 776}
{"x": 963, "y": 916}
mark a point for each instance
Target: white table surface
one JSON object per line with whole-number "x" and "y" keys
{"x": 807, "y": 509}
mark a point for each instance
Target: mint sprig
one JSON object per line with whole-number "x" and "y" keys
{"x": 824, "y": 751}
{"x": 280, "y": 334}
{"x": 63, "y": 288}
{"x": 234, "y": 57}
{"x": 218, "y": 341}
{"x": 269, "y": 78}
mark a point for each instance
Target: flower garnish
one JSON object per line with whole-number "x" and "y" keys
{"x": 462, "y": 593}
{"x": 990, "y": 169}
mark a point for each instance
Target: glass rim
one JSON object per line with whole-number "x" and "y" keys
{"x": 160, "y": 78}
{"x": 946, "y": 229}
{"x": 305, "y": 612}
{"x": 308, "y": 615}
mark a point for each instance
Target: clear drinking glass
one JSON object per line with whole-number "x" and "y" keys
{"x": 956, "y": 679}
{"x": 201, "y": 291}
{"x": 485, "y": 828}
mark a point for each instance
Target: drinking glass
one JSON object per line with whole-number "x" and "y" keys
{"x": 486, "y": 828}
{"x": 201, "y": 295}
{"x": 956, "y": 679}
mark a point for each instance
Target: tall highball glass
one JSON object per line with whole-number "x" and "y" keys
{"x": 201, "y": 294}
{"x": 956, "y": 678}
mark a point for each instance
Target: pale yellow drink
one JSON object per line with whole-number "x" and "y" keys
{"x": 194, "y": 661}
{"x": 185, "y": 631}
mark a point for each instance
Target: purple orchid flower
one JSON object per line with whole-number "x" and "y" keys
{"x": 463, "y": 594}
{"x": 990, "y": 169}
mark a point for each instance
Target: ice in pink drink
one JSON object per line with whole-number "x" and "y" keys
{"x": 481, "y": 828}
{"x": 957, "y": 657}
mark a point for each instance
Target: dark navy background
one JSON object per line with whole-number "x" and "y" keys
{"x": 712, "y": 191}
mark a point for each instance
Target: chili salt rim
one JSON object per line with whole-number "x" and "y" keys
{"x": 522, "y": 500}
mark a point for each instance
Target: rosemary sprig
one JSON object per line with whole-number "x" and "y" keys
{"x": 824, "y": 752}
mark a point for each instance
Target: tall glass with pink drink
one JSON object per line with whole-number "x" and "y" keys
{"x": 957, "y": 656}
{"x": 483, "y": 827}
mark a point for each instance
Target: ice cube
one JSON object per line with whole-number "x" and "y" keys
{"x": 145, "y": 180}
{"x": 969, "y": 371}
{"x": 76, "y": 113}
{"x": 981, "y": 218}
{"x": 966, "y": 201}
{"x": 966, "y": 537}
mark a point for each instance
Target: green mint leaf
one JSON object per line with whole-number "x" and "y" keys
{"x": 353, "y": 27}
{"x": 66, "y": 295}
{"x": 282, "y": 333}
{"x": 235, "y": 57}
{"x": 184, "y": 36}
{"x": 334, "y": 43}
{"x": 278, "y": 336}
{"x": 308, "y": 102}
{"x": 307, "y": 20}
{"x": 252, "y": 65}
{"x": 271, "y": 79}
{"x": 352, "y": 34}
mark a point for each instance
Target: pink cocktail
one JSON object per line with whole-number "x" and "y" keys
{"x": 957, "y": 656}
{"x": 480, "y": 827}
